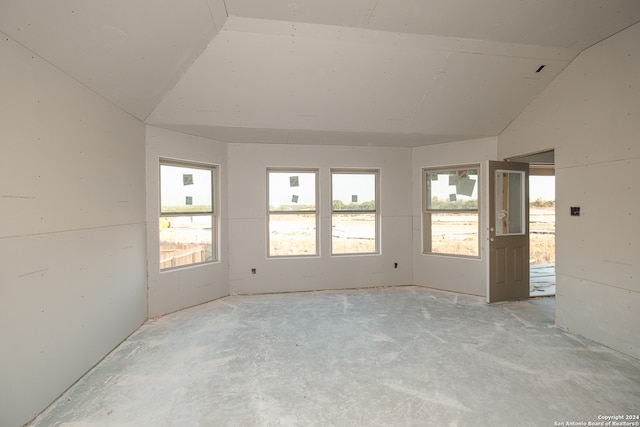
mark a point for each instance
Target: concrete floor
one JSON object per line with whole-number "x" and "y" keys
{"x": 542, "y": 280}
{"x": 404, "y": 356}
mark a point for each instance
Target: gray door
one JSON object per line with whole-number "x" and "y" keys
{"x": 508, "y": 231}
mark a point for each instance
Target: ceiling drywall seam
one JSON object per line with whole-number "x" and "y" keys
{"x": 537, "y": 96}
{"x": 182, "y": 131}
{"x": 226, "y": 9}
{"x": 42, "y": 58}
{"x": 621, "y": 30}
{"x": 186, "y": 67}
{"x": 373, "y": 11}
{"x": 213, "y": 21}
{"x": 211, "y": 15}
{"x": 268, "y": 27}
{"x": 559, "y": 73}
{"x": 426, "y": 92}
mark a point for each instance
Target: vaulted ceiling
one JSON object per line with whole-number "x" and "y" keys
{"x": 357, "y": 72}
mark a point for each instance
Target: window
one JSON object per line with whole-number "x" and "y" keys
{"x": 292, "y": 209}
{"x": 354, "y": 212}
{"x": 510, "y": 208}
{"x": 188, "y": 218}
{"x": 450, "y": 211}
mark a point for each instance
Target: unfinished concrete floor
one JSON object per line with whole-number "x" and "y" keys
{"x": 405, "y": 356}
{"x": 542, "y": 280}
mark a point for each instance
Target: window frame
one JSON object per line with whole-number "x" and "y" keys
{"x": 213, "y": 213}
{"x": 315, "y": 212}
{"x": 427, "y": 248}
{"x": 376, "y": 211}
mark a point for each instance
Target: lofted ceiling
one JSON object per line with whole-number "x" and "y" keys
{"x": 357, "y": 72}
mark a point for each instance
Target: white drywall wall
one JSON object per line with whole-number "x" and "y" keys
{"x": 247, "y": 227}
{"x": 177, "y": 289}
{"x": 458, "y": 274}
{"x": 591, "y": 115}
{"x": 72, "y": 234}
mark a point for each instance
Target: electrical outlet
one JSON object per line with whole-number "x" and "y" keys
{"x": 395, "y": 265}
{"x": 253, "y": 271}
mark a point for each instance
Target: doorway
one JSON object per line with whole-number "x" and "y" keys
{"x": 542, "y": 223}
{"x": 542, "y": 235}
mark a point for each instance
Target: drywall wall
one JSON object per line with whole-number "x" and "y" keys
{"x": 173, "y": 290}
{"x": 247, "y": 205}
{"x": 458, "y": 274}
{"x": 591, "y": 115}
{"x": 72, "y": 245}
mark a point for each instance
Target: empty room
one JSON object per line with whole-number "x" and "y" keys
{"x": 252, "y": 213}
